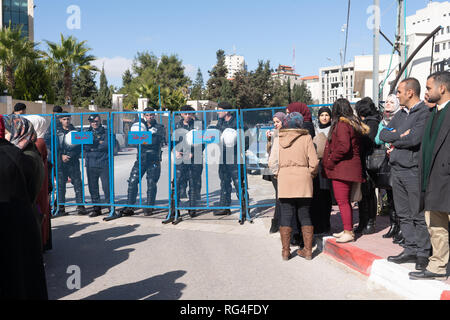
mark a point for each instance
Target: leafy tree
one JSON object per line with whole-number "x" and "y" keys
{"x": 32, "y": 80}
{"x": 127, "y": 78}
{"x": 302, "y": 93}
{"x": 217, "y": 77}
{"x": 104, "y": 96}
{"x": 69, "y": 57}
{"x": 15, "y": 51}
{"x": 84, "y": 89}
{"x": 171, "y": 99}
{"x": 198, "y": 87}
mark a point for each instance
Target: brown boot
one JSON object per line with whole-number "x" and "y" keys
{"x": 285, "y": 234}
{"x": 308, "y": 236}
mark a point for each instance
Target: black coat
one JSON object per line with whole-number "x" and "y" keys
{"x": 437, "y": 195}
{"x": 96, "y": 154}
{"x": 22, "y": 274}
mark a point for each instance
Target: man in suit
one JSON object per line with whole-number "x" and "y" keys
{"x": 434, "y": 170}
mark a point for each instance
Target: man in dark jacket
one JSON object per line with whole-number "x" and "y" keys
{"x": 150, "y": 161}
{"x": 231, "y": 162}
{"x": 189, "y": 163}
{"x": 68, "y": 164}
{"x": 405, "y": 133}
{"x": 97, "y": 163}
{"x": 434, "y": 169}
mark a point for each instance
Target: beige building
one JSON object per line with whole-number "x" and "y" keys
{"x": 18, "y": 12}
{"x": 285, "y": 73}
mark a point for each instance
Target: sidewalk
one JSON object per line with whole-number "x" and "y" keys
{"x": 368, "y": 256}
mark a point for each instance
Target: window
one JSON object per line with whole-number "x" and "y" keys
{"x": 436, "y": 48}
{"x": 443, "y": 46}
{"x": 448, "y": 29}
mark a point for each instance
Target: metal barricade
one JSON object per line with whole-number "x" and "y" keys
{"x": 206, "y": 149}
{"x": 146, "y": 135}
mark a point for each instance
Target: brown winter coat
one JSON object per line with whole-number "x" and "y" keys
{"x": 341, "y": 159}
{"x": 298, "y": 164}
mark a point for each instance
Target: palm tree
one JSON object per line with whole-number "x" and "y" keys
{"x": 15, "y": 51}
{"x": 68, "y": 57}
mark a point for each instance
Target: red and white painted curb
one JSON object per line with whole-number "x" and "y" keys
{"x": 379, "y": 271}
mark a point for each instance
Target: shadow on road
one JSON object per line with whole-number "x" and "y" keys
{"x": 162, "y": 287}
{"x": 93, "y": 252}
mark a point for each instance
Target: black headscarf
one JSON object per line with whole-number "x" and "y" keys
{"x": 322, "y": 110}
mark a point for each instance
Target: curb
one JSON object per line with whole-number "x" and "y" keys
{"x": 379, "y": 271}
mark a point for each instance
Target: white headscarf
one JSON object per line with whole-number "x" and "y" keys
{"x": 389, "y": 114}
{"x": 40, "y": 125}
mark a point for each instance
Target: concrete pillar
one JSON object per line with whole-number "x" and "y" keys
{"x": 142, "y": 104}
{"x": 8, "y": 101}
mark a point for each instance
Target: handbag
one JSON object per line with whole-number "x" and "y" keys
{"x": 383, "y": 178}
{"x": 376, "y": 159}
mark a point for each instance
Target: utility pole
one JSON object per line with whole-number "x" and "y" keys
{"x": 401, "y": 41}
{"x": 376, "y": 54}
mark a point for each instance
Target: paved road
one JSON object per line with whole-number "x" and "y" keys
{"x": 201, "y": 259}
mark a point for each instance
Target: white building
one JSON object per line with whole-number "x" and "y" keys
{"x": 356, "y": 80}
{"x": 234, "y": 63}
{"x": 18, "y": 12}
{"x": 418, "y": 26}
{"x": 313, "y": 85}
{"x": 287, "y": 73}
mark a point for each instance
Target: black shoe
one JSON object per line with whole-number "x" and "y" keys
{"x": 421, "y": 264}
{"x": 61, "y": 212}
{"x": 370, "y": 228}
{"x": 359, "y": 229}
{"x": 167, "y": 221}
{"x": 392, "y": 231}
{"x": 192, "y": 213}
{"x": 403, "y": 258}
{"x": 148, "y": 212}
{"x": 177, "y": 221}
{"x": 427, "y": 275}
{"x": 398, "y": 237}
{"x": 82, "y": 211}
{"x": 225, "y": 212}
{"x": 127, "y": 212}
{"x": 97, "y": 212}
{"x": 274, "y": 227}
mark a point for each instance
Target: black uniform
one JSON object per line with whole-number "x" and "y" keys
{"x": 189, "y": 169}
{"x": 151, "y": 156}
{"x": 69, "y": 169}
{"x": 97, "y": 164}
{"x": 230, "y": 171}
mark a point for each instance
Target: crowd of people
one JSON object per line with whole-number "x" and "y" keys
{"x": 404, "y": 152}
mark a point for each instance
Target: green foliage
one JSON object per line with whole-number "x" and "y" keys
{"x": 301, "y": 93}
{"x": 127, "y": 78}
{"x": 217, "y": 78}
{"x": 68, "y": 58}
{"x": 84, "y": 89}
{"x": 104, "y": 96}
{"x": 198, "y": 87}
{"x": 15, "y": 51}
{"x": 152, "y": 73}
{"x": 33, "y": 80}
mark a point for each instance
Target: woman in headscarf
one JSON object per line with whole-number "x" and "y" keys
{"x": 391, "y": 107}
{"x": 22, "y": 274}
{"x": 41, "y": 126}
{"x": 273, "y": 149}
{"x": 298, "y": 164}
{"x": 322, "y": 201}
{"x": 303, "y": 109}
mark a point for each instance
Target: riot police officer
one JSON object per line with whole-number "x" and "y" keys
{"x": 97, "y": 162}
{"x": 189, "y": 163}
{"x": 68, "y": 163}
{"x": 150, "y": 159}
{"x": 229, "y": 166}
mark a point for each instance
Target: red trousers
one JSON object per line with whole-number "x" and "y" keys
{"x": 342, "y": 191}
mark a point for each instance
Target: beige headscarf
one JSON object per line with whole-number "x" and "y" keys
{"x": 40, "y": 125}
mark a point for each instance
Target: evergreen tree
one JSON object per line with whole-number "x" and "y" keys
{"x": 217, "y": 77}
{"x": 84, "y": 89}
{"x": 127, "y": 78}
{"x": 301, "y": 93}
{"x": 104, "y": 96}
{"x": 198, "y": 87}
{"x": 32, "y": 80}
